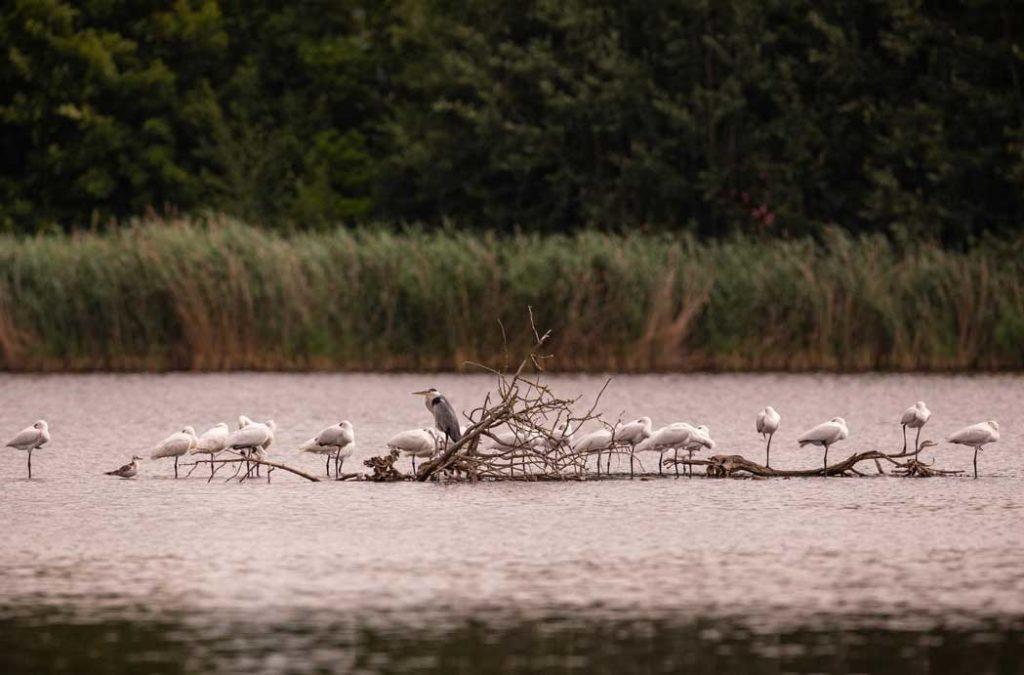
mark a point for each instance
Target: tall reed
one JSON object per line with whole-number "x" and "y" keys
{"x": 221, "y": 295}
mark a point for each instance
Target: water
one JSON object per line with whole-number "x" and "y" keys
{"x": 873, "y": 574}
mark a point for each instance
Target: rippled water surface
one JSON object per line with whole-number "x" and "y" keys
{"x": 158, "y": 574}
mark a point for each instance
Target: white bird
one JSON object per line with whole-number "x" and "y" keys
{"x": 596, "y": 441}
{"x": 976, "y": 436}
{"x": 511, "y": 440}
{"x": 251, "y": 440}
{"x": 339, "y": 441}
{"x": 674, "y": 436}
{"x": 128, "y": 470}
{"x": 825, "y": 434}
{"x": 30, "y": 438}
{"x": 700, "y": 439}
{"x": 175, "y": 445}
{"x": 631, "y": 434}
{"x": 211, "y": 442}
{"x": 915, "y": 417}
{"x": 423, "y": 442}
{"x": 767, "y": 424}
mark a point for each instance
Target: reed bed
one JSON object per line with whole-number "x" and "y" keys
{"x": 219, "y": 295}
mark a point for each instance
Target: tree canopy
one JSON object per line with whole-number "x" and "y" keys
{"x": 758, "y": 116}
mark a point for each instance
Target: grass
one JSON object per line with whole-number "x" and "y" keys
{"x": 220, "y": 296}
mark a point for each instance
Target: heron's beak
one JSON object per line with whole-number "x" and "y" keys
{"x": 421, "y": 393}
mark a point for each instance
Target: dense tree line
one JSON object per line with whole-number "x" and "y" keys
{"x": 712, "y": 116}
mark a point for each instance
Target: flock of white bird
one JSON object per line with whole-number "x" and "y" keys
{"x": 336, "y": 443}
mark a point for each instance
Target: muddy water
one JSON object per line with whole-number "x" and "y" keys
{"x": 805, "y": 574}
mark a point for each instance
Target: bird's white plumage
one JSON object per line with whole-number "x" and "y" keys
{"x": 513, "y": 439}
{"x": 339, "y": 435}
{"x": 976, "y": 435}
{"x": 600, "y": 439}
{"x": 768, "y": 421}
{"x": 701, "y": 438}
{"x": 673, "y": 436}
{"x": 634, "y": 432}
{"x": 175, "y": 445}
{"x": 826, "y": 433}
{"x": 915, "y": 416}
{"x": 31, "y": 437}
{"x": 417, "y": 442}
{"x": 212, "y": 440}
{"x": 252, "y": 435}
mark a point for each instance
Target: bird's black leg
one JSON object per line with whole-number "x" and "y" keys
{"x": 824, "y": 472}
{"x": 904, "y": 439}
{"x": 675, "y": 456}
{"x": 632, "y": 450}
{"x": 661, "y": 462}
{"x": 30, "y": 464}
{"x": 976, "y": 461}
{"x": 175, "y": 467}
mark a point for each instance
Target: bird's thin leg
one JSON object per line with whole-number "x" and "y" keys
{"x": 341, "y": 465}
{"x": 175, "y": 466}
{"x": 414, "y": 465}
{"x": 30, "y": 463}
{"x": 608, "y": 464}
{"x": 327, "y": 467}
{"x": 824, "y": 472}
{"x": 661, "y": 463}
{"x": 632, "y": 451}
{"x": 768, "y": 453}
{"x": 976, "y": 461}
{"x": 917, "y": 448}
{"x": 904, "y": 439}
{"x": 675, "y": 457}
{"x": 689, "y": 467}
{"x": 598, "y": 462}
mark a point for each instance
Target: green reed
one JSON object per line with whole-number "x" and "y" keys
{"x": 221, "y": 295}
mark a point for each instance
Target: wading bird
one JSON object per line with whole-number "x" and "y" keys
{"x": 700, "y": 439}
{"x": 252, "y": 440}
{"x": 915, "y": 417}
{"x": 175, "y": 445}
{"x": 339, "y": 441}
{"x": 128, "y": 470}
{"x": 767, "y": 424}
{"x": 631, "y": 434}
{"x": 212, "y": 442}
{"x": 30, "y": 438}
{"x": 511, "y": 440}
{"x": 825, "y": 434}
{"x": 596, "y": 442}
{"x": 444, "y": 415}
{"x": 423, "y": 442}
{"x": 976, "y": 436}
{"x": 671, "y": 437}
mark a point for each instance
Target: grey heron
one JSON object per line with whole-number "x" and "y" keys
{"x": 825, "y": 434}
{"x": 767, "y": 424}
{"x": 975, "y": 436}
{"x": 444, "y": 415}
{"x": 30, "y": 438}
{"x": 175, "y": 445}
{"x": 915, "y": 417}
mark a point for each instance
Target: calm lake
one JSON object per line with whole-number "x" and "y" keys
{"x": 876, "y": 574}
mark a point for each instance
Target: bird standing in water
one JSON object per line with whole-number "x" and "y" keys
{"x": 767, "y": 424}
{"x": 29, "y": 439}
{"x": 915, "y": 417}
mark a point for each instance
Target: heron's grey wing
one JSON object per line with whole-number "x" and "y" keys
{"x": 444, "y": 418}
